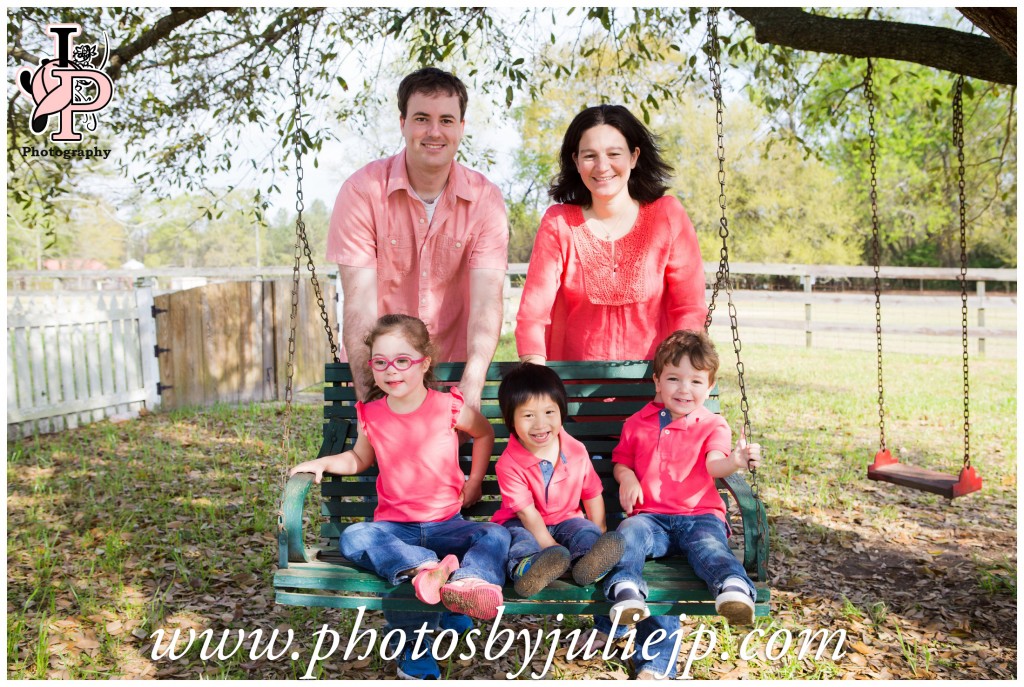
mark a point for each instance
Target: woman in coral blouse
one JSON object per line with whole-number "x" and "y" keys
{"x": 615, "y": 266}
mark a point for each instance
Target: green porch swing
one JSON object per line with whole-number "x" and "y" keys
{"x": 602, "y": 394}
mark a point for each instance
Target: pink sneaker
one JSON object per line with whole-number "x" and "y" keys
{"x": 473, "y": 597}
{"x": 429, "y": 581}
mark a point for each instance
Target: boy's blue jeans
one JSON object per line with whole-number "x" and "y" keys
{"x": 576, "y": 534}
{"x": 702, "y": 539}
{"x": 393, "y": 548}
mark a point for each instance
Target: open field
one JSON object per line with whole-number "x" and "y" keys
{"x": 168, "y": 521}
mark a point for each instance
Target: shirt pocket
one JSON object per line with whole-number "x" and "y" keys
{"x": 395, "y": 257}
{"x": 448, "y": 256}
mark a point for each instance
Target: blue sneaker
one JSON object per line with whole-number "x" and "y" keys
{"x": 455, "y": 621}
{"x": 422, "y": 668}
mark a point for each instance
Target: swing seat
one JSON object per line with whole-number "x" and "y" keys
{"x": 601, "y": 396}
{"x": 888, "y": 469}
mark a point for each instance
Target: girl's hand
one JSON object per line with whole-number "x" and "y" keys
{"x": 472, "y": 490}
{"x": 746, "y": 455}
{"x": 314, "y": 466}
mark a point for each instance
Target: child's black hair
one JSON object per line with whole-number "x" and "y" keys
{"x": 525, "y": 381}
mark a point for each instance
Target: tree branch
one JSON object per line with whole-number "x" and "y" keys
{"x": 160, "y": 30}
{"x": 18, "y": 53}
{"x": 998, "y": 22}
{"x": 953, "y": 51}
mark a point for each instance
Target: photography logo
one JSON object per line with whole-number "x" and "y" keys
{"x": 67, "y": 85}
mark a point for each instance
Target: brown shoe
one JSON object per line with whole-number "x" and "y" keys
{"x": 539, "y": 570}
{"x": 602, "y": 557}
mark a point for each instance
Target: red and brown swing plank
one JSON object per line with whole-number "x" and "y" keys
{"x": 601, "y": 394}
{"x": 887, "y": 469}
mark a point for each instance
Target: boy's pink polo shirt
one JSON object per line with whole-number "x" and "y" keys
{"x": 671, "y": 463}
{"x": 522, "y": 484}
{"x": 422, "y": 269}
{"x": 417, "y": 454}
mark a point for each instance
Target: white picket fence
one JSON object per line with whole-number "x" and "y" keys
{"x": 79, "y": 357}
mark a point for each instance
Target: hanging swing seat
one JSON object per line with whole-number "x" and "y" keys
{"x": 601, "y": 396}
{"x": 888, "y": 469}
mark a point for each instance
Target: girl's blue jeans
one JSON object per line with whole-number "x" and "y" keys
{"x": 391, "y": 549}
{"x": 702, "y": 539}
{"x": 576, "y": 534}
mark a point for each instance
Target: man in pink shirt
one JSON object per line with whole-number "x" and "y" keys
{"x": 419, "y": 234}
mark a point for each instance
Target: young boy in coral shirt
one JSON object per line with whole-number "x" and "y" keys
{"x": 666, "y": 463}
{"x": 543, "y": 475}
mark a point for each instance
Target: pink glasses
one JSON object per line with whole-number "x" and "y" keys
{"x": 401, "y": 363}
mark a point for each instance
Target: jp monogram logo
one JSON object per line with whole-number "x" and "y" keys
{"x": 66, "y": 85}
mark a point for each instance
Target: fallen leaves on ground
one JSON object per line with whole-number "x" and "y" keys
{"x": 168, "y": 522}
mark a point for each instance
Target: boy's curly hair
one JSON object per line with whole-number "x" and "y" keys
{"x": 696, "y": 346}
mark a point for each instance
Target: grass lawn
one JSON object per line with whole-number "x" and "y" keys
{"x": 169, "y": 521}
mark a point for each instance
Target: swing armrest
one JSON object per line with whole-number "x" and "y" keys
{"x": 755, "y": 547}
{"x": 289, "y": 521}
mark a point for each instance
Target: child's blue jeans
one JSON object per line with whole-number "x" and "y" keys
{"x": 393, "y": 548}
{"x": 702, "y": 539}
{"x": 576, "y": 534}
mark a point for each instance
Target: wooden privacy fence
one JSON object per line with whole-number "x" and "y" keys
{"x": 229, "y": 342}
{"x": 79, "y": 357}
{"x": 75, "y": 358}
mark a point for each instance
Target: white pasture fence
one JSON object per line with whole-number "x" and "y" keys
{"x": 78, "y": 357}
{"x": 82, "y": 345}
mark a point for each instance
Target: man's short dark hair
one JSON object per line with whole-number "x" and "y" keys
{"x": 526, "y": 381}
{"x": 430, "y": 81}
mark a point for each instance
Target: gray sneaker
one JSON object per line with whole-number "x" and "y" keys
{"x": 539, "y": 570}
{"x": 629, "y": 608}
{"x": 735, "y": 605}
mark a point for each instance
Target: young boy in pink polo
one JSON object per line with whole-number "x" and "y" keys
{"x": 543, "y": 475}
{"x": 666, "y": 463}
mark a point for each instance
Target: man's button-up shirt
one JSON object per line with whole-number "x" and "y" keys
{"x": 422, "y": 267}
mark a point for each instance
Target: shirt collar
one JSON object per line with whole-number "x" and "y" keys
{"x": 652, "y": 409}
{"x": 458, "y": 183}
{"x": 523, "y": 457}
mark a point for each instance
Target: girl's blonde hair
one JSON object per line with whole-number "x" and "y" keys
{"x": 412, "y": 330}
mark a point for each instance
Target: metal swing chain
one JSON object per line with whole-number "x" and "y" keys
{"x": 876, "y": 249}
{"x": 723, "y": 266}
{"x": 958, "y": 141}
{"x": 722, "y": 277}
{"x": 301, "y": 242}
